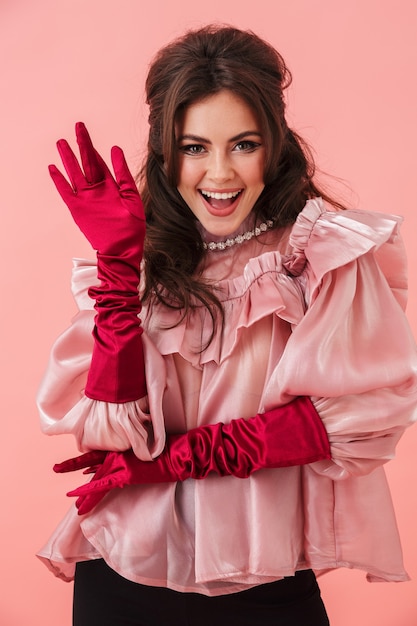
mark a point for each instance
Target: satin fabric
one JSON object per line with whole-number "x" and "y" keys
{"x": 290, "y": 435}
{"x": 316, "y": 310}
{"x": 109, "y": 212}
{"x": 116, "y": 373}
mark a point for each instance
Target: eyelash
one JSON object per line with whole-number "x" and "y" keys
{"x": 197, "y": 149}
{"x": 191, "y": 149}
{"x": 250, "y": 146}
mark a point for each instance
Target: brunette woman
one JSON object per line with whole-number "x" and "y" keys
{"x": 237, "y": 412}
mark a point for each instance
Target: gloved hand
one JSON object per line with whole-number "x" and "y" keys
{"x": 289, "y": 435}
{"x": 109, "y": 212}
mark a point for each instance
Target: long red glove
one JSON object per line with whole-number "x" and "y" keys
{"x": 289, "y": 435}
{"x": 109, "y": 212}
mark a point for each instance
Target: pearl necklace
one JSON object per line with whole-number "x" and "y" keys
{"x": 255, "y": 232}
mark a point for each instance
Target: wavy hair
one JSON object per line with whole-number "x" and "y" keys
{"x": 200, "y": 64}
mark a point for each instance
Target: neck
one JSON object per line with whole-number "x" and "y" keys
{"x": 246, "y": 232}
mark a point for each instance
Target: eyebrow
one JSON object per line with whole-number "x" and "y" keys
{"x": 245, "y": 133}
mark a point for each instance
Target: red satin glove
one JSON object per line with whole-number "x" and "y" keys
{"x": 290, "y": 435}
{"x": 109, "y": 212}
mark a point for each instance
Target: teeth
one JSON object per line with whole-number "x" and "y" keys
{"x": 220, "y": 196}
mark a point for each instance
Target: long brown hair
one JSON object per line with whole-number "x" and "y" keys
{"x": 197, "y": 65}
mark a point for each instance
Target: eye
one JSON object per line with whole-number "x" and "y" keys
{"x": 192, "y": 148}
{"x": 246, "y": 146}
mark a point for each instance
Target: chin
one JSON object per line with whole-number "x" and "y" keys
{"x": 222, "y": 228}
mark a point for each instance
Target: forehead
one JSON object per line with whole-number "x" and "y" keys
{"x": 223, "y": 113}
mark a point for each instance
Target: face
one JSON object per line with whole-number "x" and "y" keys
{"x": 221, "y": 161}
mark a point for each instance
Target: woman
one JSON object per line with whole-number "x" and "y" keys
{"x": 270, "y": 378}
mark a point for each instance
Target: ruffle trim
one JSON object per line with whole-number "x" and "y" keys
{"x": 330, "y": 239}
{"x": 271, "y": 283}
{"x": 264, "y": 289}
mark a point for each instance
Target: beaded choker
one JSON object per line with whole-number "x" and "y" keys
{"x": 228, "y": 243}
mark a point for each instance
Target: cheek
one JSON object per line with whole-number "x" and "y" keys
{"x": 255, "y": 175}
{"x": 254, "y": 170}
{"x": 188, "y": 174}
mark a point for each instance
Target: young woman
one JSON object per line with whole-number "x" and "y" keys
{"x": 237, "y": 415}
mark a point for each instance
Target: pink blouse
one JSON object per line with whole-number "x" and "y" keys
{"x": 316, "y": 309}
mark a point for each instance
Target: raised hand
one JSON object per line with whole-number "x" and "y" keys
{"x": 107, "y": 209}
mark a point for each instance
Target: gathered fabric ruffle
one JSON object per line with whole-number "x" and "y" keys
{"x": 327, "y": 240}
{"x": 321, "y": 241}
{"x": 264, "y": 289}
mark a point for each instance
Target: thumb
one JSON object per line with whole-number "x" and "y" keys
{"x": 123, "y": 176}
{"x": 126, "y": 183}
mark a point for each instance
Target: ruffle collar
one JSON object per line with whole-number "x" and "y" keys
{"x": 271, "y": 283}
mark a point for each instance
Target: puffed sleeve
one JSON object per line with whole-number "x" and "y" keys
{"x": 353, "y": 351}
{"x": 96, "y": 425}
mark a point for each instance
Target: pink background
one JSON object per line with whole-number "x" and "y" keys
{"x": 354, "y": 92}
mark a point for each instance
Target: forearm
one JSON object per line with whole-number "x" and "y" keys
{"x": 289, "y": 435}
{"x": 65, "y": 409}
{"x": 117, "y": 371}
{"x": 107, "y": 208}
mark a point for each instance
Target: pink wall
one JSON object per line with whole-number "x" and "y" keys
{"x": 354, "y": 93}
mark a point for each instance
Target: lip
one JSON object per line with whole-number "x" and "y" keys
{"x": 221, "y": 212}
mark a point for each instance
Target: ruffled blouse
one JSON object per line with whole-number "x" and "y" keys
{"x": 316, "y": 309}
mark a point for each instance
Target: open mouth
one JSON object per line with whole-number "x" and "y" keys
{"x": 220, "y": 200}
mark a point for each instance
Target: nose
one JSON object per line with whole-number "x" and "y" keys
{"x": 220, "y": 167}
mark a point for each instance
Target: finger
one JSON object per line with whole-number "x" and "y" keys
{"x": 85, "y": 504}
{"x": 92, "y": 165}
{"x": 70, "y": 465}
{"x": 94, "y": 457}
{"x": 64, "y": 189}
{"x": 94, "y": 486}
{"x": 122, "y": 173}
{"x": 72, "y": 167}
{"x": 125, "y": 180}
